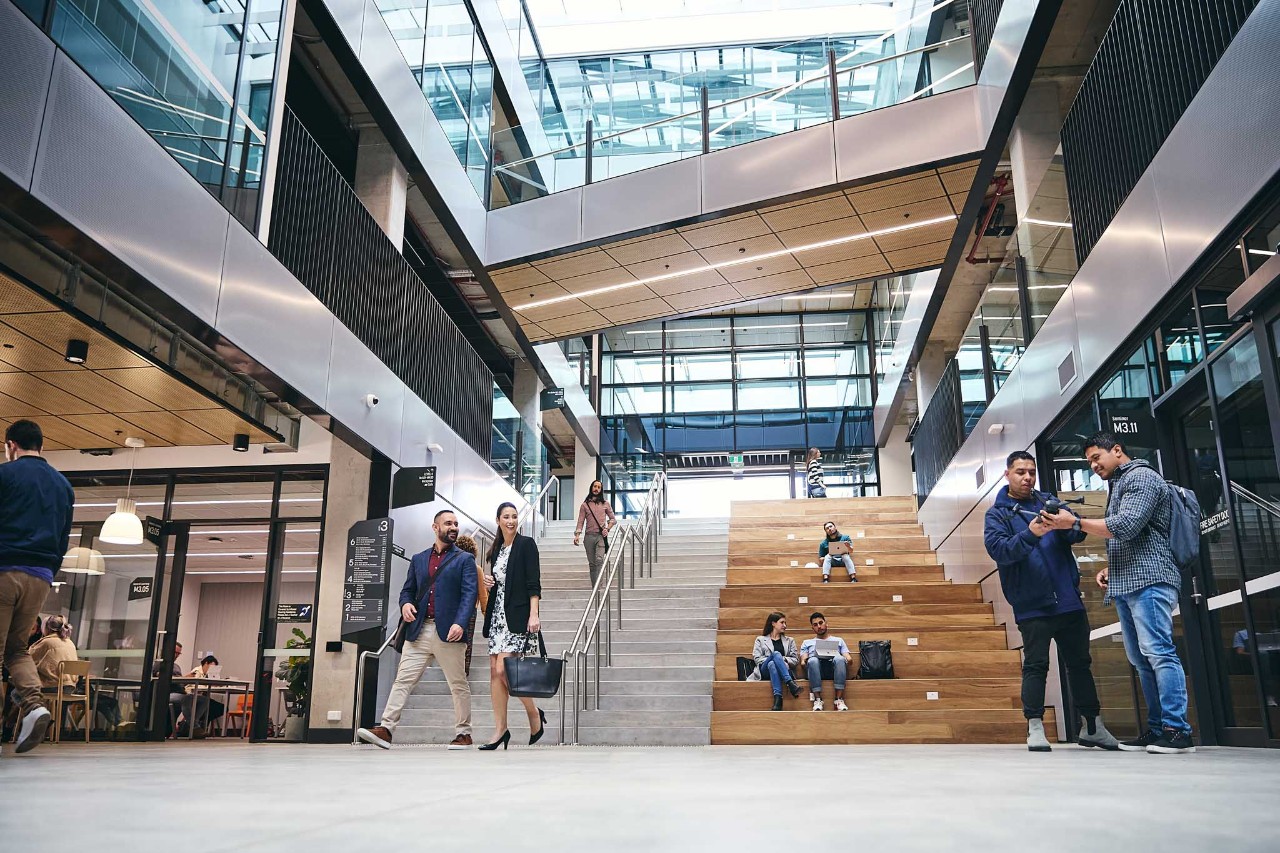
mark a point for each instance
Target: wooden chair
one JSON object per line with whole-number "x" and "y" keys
{"x": 77, "y": 670}
{"x": 243, "y": 712}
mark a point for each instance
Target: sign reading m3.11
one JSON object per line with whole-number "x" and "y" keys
{"x": 365, "y": 574}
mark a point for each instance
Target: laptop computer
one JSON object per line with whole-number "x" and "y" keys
{"x": 826, "y": 648}
{"x": 838, "y": 549}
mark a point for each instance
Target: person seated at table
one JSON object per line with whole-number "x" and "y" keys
{"x": 50, "y": 651}
{"x": 213, "y": 708}
{"x": 182, "y": 703}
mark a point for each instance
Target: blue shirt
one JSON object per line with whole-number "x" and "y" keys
{"x": 1063, "y": 573}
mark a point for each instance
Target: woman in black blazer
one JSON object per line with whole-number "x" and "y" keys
{"x": 511, "y": 620}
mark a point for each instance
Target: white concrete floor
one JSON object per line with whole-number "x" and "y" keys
{"x": 233, "y": 797}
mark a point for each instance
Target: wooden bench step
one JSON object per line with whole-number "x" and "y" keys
{"x": 830, "y": 595}
{"x": 850, "y": 727}
{"x": 898, "y": 694}
{"x": 911, "y": 662}
{"x": 927, "y": 638}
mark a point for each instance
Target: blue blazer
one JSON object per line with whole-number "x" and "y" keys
{"x": 455, "y": 591}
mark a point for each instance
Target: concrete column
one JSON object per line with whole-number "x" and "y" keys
{"x": 526, "y": 391}
{"x": 382, "y": 183}
{"x": 928, "y": 372}
{"x": 333, "y": 674}
{"x": 584, "y": 471}
{"x": 1034, "y": 140}
{"x": 896, "y": 478}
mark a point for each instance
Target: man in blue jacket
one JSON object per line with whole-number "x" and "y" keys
{"x": 437, "y": 600}
{"x": 1041, "y": 582}
{"x": 36, "y": 503}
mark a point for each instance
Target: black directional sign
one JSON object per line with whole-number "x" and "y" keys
{"x": 364, "y": 588}
{"x": 412, "y": 486}
{"x": 139, "y": 589}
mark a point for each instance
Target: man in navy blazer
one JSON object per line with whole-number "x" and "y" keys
{"x": 437, "y": 600}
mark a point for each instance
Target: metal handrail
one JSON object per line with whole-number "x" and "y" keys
{"x": 1262, "y": 502}
{"x": 534, "y": 504}
{"x": 640, "y": 536}
{"x": 777, "y": 90}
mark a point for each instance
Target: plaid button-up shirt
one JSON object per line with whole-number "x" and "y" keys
{"x": 1138, "y": 516}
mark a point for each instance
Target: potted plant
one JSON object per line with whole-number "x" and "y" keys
{"x": 295, "y": 672}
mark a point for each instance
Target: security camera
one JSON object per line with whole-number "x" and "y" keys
{"x": 371, "y": 400}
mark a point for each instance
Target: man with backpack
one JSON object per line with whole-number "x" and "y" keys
{"x": 1041, "y": 582}
{"x": 1141, "y": 525}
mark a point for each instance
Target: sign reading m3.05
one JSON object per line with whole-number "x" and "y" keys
{"x": 365, "y": 573}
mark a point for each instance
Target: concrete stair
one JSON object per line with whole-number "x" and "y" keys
{"x": 658, "y": 690}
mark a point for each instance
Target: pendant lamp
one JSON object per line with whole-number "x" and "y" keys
{"x": 84, "y": 561}
{"x": 123, "y": 527}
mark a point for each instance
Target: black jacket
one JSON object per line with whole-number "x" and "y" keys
{"x": 524, "y": 580}
{"x": 1035, "y": 572}
{"x": 35, "y": 514}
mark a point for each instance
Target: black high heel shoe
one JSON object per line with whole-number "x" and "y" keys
{"x": 500, "y": 742}
{"x": 534, "y": 738}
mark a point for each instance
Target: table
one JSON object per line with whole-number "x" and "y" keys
{"x": 225, "y": 686}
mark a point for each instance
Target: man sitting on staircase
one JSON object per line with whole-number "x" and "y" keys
{"x": 824, "y": 551}
{"x": 1041, "y": 582}
{"x": 824, "y": 650}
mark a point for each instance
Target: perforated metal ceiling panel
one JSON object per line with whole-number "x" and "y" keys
{"x": 892, "y": 226}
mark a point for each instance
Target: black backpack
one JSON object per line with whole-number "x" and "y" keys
{"x": 875, "y": 659}
{"x": 746, "y": 666}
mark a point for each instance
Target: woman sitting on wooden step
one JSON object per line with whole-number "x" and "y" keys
{"x": 776, "y": 656}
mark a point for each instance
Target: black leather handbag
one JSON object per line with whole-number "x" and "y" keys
{"x": 535, "y": 677}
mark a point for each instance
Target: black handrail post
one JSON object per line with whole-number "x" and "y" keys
{"x": 834, "y": 82}
{"x": 704, "y": 98}
{"x": 590, "y": 145}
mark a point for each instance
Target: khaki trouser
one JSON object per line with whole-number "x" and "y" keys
{"x": 21, "y": 597}
{"x": 418, "y": 655}
{"x": 594, "y": 545}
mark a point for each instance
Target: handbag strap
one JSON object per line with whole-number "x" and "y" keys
{"x": 422, "y": 603}
{"x": 542, "y": 645}
{"x": 599, "y": 526}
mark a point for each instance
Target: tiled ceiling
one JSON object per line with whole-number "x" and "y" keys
{"x": 115, "y": 394}
{"x": 858, "y": 234}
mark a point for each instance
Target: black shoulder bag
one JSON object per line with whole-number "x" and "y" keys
{"x": 397, "y": 640}
{"x": 536, "y": 677}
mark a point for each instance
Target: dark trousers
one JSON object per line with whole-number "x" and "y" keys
{"x": 1071, "y": 630}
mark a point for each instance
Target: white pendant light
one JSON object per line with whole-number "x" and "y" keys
{"x": 123, "y": 527}
{"x": 84, "y": 561}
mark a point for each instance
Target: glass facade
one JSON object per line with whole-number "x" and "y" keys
{"x": 717, "y": 385}
{"x": 198, "y": 76}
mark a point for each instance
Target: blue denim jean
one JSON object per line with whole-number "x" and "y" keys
{"x": 779, "y": 671}
{"x": 844, "y": 558}
{"x": 1146, "y": 621}
{"x": 840, "y": 673}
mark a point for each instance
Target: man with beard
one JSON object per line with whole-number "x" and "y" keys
{"x": 437, "y": 601}
{"x": 824, "y": 552}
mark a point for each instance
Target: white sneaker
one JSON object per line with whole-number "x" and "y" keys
{"x": 31, "y": 733}
{"x": 817, "y": 704}
{"x": 840, "y": 706}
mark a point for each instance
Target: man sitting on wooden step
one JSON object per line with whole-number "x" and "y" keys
{"x": 1041, "y": 582}
{"x": 823, "y": 649}
{"x": 836, "y": 545}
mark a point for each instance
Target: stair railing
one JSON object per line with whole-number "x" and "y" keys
{"x": 635, "y": 542}
{"x": 538, "y": 507}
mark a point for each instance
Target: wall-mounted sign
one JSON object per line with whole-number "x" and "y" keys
{"x": 736, "y": 462}
{"x": 551, "y": 398}
{"x": 1217, "y": 521}
{"x": 412, "y": 486}
{"x": 139, "y": 588}
{"x": 1132, "y": 427}
{"x": 153, "y": 529}
{"x": 364, "y": 582}
{"x": 293, "y": 612}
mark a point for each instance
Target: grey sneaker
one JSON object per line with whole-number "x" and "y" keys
{"x": 1099, "y": 737}
{"x": 34, "y": 726}
{"x": 1036, "y": 741}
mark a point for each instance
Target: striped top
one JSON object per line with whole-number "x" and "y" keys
{"x": 815, "y": 472}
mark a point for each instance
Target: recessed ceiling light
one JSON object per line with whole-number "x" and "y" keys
{"x": 851, "y": 238}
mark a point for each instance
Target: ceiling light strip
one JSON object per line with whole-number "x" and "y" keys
{"x": 838, "y": 241}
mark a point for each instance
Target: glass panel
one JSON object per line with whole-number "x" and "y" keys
{"x": 407, "y": 20}
{"x": 642, "y": 337}
{"x": 698, "y": 433}
{"x": 481, "y": 120}
{"x": 1229, "y": 641}
{"x": 1263, "y": 240}
{"x": 301, "y": 495}
{"x": 838, "y": 393}
{"x": 834, "y": 328}
{"x": 289, "y": 655}
{"x": 836, "y": 362}
{"x": 714, "y": 365}
{"x": 223, "y": 496}
{"x": 1178, "y": 345}
{"x": 1219, "y": 546}
{"x": 632, "y": 400}
{"x": 768, "y": 395}
{"x": 711, "y": 397}
{"x": 704, "y": 333}
{"x": 1244, "y": 424}
{"x": 767, "y": 365}
{"x": 770, "y": 430}
{"x": 1212, "y": 294}
{"x": 247, "y": 156}
{"x": 95, "y": 503}
{"x": 620, "y": 369}
{"x": 774, "y": 330}
{"x": 1264, "y": 606}
{"x": 1125, "y": 405}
